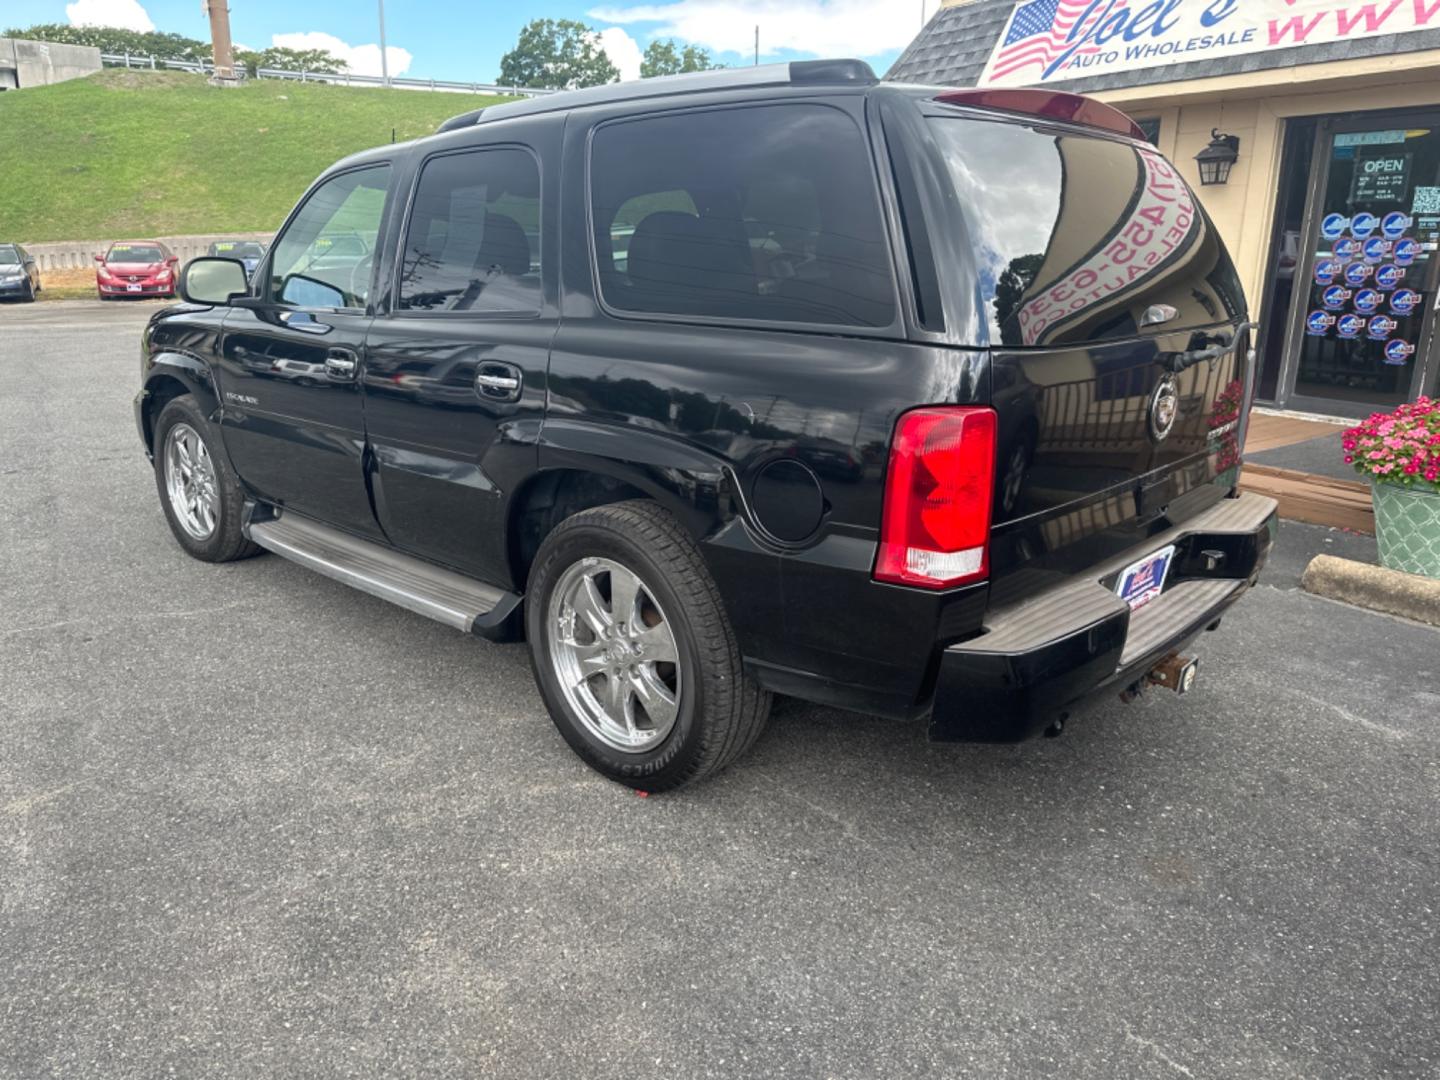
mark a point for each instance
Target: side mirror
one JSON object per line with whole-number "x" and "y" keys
{"x": 99, "y": 257}
{"x": 210, "y": 280}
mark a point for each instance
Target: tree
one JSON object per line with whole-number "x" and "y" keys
{"x": 277, "y": 59}
{"x": 557, "y": 54}
{"x": 662, "y": 58}
{"x": 1010, "y": 290}
{"x": 114, "y": 39}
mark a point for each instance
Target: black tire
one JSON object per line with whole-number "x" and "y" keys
{"x": 29, "y": 291}
{"x": 721, "y": 711}
{"x": 225, "y": 542}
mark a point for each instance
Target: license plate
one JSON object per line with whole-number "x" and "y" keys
{"x": 132, "y": 288}
{"x": 1141, "y": 582}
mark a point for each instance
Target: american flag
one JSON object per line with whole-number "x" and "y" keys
{"x": 1039, "y": 30}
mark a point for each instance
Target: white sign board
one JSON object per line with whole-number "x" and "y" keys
{"x": 1049, "y": 41}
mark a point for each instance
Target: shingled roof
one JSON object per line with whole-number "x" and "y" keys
{"x": 957, "y": 41}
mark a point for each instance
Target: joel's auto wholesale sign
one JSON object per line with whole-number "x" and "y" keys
{"x": 1049, "y": 41}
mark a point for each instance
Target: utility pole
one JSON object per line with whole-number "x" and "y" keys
{"x": 220, "y": 47}
{"x": 757, "y": 46}
{"x": 384, "y": 59}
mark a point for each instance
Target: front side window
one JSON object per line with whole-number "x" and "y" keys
{"x": 473, "y": 241}
{"x": 767, "y": 213}
{"x": 326, "y": 255}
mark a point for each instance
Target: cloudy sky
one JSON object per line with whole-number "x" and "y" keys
{"x": 431, "y": 40}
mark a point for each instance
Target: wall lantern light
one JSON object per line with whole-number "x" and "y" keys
{"x": 1215, "y": 160}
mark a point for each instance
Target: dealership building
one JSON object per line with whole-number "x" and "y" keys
{"x": 1316, "y": 126}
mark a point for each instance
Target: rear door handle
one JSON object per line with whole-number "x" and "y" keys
{"x": 341, "y": 365}
{"x": 496, "y": 381}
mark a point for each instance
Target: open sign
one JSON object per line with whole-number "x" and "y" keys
{"x": 1383, "y": 178}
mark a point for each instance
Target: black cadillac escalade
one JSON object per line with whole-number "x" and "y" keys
{"x": 914, "y": 401}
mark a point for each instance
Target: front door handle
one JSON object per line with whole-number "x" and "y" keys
{"x": 498, "y": 382}
{"x": 341, "y": 365}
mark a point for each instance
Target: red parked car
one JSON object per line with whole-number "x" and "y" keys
{"x": 136, "y": 268}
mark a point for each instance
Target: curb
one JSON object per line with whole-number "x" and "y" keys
{"x": 1391, "y": 591}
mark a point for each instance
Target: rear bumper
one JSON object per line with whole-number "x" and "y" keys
{"x": 1043, "y": 658}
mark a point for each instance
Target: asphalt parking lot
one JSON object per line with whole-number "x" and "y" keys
{"x": 255, "y": 824}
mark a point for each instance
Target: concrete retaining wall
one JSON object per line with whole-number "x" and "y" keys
{"x": 40, "y": 63}
{"x": 74, "y": 254}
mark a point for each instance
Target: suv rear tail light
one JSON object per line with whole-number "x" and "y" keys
{"x": 939, "y": 487}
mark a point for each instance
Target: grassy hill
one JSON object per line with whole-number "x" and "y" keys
{"x": 127, "y": 153}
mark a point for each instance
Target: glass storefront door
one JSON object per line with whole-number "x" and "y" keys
{"x": 1360, "y": 333}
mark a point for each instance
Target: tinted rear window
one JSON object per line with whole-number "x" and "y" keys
{"x": 1075, "y": 236}
{"x": 767, "y": 212}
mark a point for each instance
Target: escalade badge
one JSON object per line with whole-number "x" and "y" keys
{"x": 1164, "y": 404}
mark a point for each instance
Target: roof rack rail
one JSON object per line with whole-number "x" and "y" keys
{"x": 1049, "y": 105}
{"x": 795, "y": 73}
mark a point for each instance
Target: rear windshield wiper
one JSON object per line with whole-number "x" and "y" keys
{"x": 1179, "y": 361}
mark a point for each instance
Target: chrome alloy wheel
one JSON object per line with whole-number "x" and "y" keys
{"x": 614, "y": 654}
{"x": 190, "y": 481}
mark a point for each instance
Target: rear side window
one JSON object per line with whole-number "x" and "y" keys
{"x": 766, "y": 213}
{"x": 1075, "y": 236}
{"x": 473, "y": 241}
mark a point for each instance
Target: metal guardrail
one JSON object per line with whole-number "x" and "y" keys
{"x": 154, "y": 63}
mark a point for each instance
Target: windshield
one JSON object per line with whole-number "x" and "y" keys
{"x": 237, "y": 249}
{"x": 9, "y": 256}
{"x": 134, "y": 253}
{"x": 1076, "y": 236}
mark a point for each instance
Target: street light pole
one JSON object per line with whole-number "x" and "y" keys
{"x": 222, "y": 55}
{"x": 384, "y": 59}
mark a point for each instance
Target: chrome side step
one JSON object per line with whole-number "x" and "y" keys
{"x": 411, "y": 583}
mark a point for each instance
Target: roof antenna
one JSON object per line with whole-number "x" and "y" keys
{"x": 392, "y": 135}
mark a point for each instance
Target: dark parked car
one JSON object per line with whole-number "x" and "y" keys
{"x": 19, "y": 275}
{"x": 249, "y": 252}
{"x": 768, "y": 380}
{"x": 136, "y": 268}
